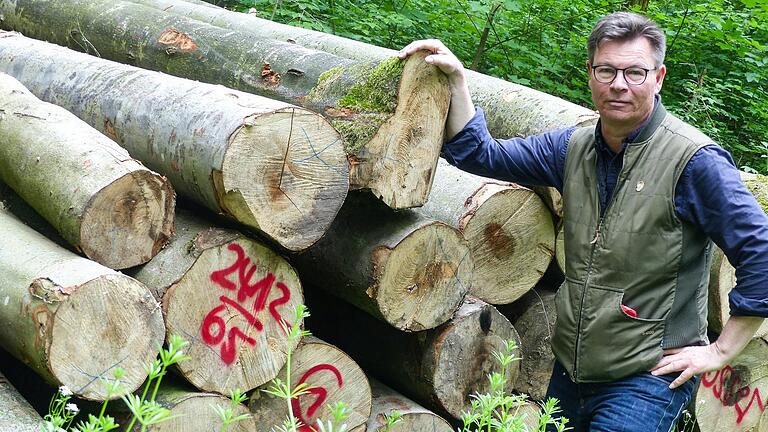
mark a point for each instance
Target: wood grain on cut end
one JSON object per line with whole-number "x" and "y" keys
{"x": 733, "y": 398}
{"x": 465, "y": 354}
{"x": 109, "y": 322}
{"x": 402, "y": 155}
{"x": 286, "y": 174}
{"x": 512, "y": 240}
{"x": 195, "y": 412}
{"x": 129, "y": 221}
{"x": 426, "y": 276}
{"x": 414, "y": 417}
{"x": 228, "y": 304}
{"x": 334, "y": 376}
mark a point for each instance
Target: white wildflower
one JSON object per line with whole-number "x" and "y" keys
{"x": 72, "y": 408}
{"x": 65, "y": 391}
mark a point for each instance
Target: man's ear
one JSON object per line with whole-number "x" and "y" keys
{"x": 661, "y": 72}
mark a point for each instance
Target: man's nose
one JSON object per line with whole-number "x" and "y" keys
{"x": 619, "y": 83}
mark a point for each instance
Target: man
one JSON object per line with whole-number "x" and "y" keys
{"x": 643, "y": 195}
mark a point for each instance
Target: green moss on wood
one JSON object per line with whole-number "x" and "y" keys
{"x": 759, "y": 188}
{"x": 358, "y": 130}
{"x": 377, "y": 89}
{"x": 325, "y": 82}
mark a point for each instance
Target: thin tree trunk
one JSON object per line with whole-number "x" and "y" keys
{"x": 70, "y": 319}
{"x": 401, "y": 267}
{"x": 511, "y": 109}
{"x": 484, "y": 37}
{"x": 226, "y": 294}
{"x": 270, "y": 165}
{"x": 333, "y": 377}
{"x": 508, "y": 228}
{"x": 373, "y": 104}
{"x": 88, "y": 187}
{"x": 16, "y": 415}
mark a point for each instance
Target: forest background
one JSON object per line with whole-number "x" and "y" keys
{"x": 717, "y": 50}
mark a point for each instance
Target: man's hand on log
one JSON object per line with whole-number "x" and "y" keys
{"x": 441, "y": 57}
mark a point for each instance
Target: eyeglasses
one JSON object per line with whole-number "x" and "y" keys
{"x": 632, "y": 75}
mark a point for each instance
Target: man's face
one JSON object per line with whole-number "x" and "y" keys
{"x": 623, "y": 105}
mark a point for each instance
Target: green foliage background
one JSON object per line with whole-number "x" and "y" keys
{"x": 717, "y": 50}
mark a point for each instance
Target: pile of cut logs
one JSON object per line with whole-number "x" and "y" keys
{"x": 307, "y": 169}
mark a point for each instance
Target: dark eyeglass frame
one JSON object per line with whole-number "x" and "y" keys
{"x": 623, "y": 72}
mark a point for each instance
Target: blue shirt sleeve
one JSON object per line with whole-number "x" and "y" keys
{"x": 535, "y": 160}
{"x": 710, "y": 194}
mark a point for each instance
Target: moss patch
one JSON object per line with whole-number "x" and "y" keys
{"x": 325, "y": 81}
{"x": 759, "y": 188}
{"x": 377, "y": 89}
{"x": 358, "y": 130}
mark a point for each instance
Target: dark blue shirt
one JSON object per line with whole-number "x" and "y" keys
{"x": 709, "y": 194}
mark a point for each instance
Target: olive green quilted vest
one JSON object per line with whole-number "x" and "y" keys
{"x": 639, "y": 255}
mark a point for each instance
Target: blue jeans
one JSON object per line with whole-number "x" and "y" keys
{"x": 638, "y": 403}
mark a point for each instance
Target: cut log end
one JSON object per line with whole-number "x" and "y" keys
{"x": 511, "y": 233}
{"x": 129, "y": 221}
{"x": 287, "y": 175}
{"x": 197, "y": 412}
{"x": 413, "y": 417}
{"x": 401, "y": 157}
{"x": 425, "y": 278}
{"x": 229, "y": 305}
{"x": 459, "y": 374}
{"x": 109, "y": 322}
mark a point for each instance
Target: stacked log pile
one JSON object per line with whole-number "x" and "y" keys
{"x": 388, "y": 289}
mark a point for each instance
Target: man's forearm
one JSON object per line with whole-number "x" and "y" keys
{"x": 462, "y": 110}
{"x": 736, "y": 334}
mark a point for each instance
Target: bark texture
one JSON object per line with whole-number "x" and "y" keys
{"x": 400, "y": 267}
{"x": 439, "y": 368}
{"x": 374, "y": 104}
{"x": 226, "y": 294}
{"x": 270, "y": 165}
{"x": 333, "y": 376}
{"x": 733, "y": 398}
{"x": 88, "y": 187}
{"x": 414, "y": 417}
{"x": 70, "y": 319}
{"x": 511, "y": 109}
{"x": 508, "y": 228}
{"x": 16, "y": 415}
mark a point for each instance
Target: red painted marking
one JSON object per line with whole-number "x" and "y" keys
{"x": 245, "y": 270}
{"x": 726, "y": 387}
{"x": 319, "y": 393}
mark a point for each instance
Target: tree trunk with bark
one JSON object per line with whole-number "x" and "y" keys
{"x": 734, "y": 397}
{"x": 439, "y": 368}
{"x": 533, "y": 316}
{"x": 270, "y": 165}
{"x": 70, "y": 319}
{"x": 722, "y": 275}
{"x": 226, "y": 294}
{"x": 333, "y": 377}
{"x": 88, "y": 187}
{"x": 560, "y": 248}
{"x": 390, "y": 112}
{"x": 508, "y": 228}
{"x": 16, "y": 414}
{"x": 414, "y": 417}
{"x": 511, "y": 109}
{"x": 401, "y": 267}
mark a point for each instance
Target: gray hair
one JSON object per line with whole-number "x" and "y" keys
{"x": 626, "y": 26}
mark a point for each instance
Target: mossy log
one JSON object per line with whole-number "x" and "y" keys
{"x": 226, "y": 294}
{"x": 439, "y": 368}
{"x": 84, "y": 184}
{"x": 734, "y": 397}
{"x": 16, "y": 414}
{"x": 722, "y": 275}
{"x": 333, "y": 377}
{"x": 70, "y": 319}
{"x": 533, "y": 316}
{"x": 191, "y": 411}
{"x": 508, "y": 228}
{"x": 270, "y": 165}
{"x": 511, "y": 109}
{"x": 414, "y": 417}
{"x": 390, "y": 112}
{"x": 401, "y": 267}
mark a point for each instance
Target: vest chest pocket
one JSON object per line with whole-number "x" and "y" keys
{"x": 613, "y": 344}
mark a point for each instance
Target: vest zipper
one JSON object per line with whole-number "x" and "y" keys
{"x": 593, "y": 243}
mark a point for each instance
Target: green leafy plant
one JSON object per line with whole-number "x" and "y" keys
{"x": 498, "y": 411}
{"x": 227, "y": 415}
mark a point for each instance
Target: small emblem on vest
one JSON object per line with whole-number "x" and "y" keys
{"x": 640, "y": 186}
